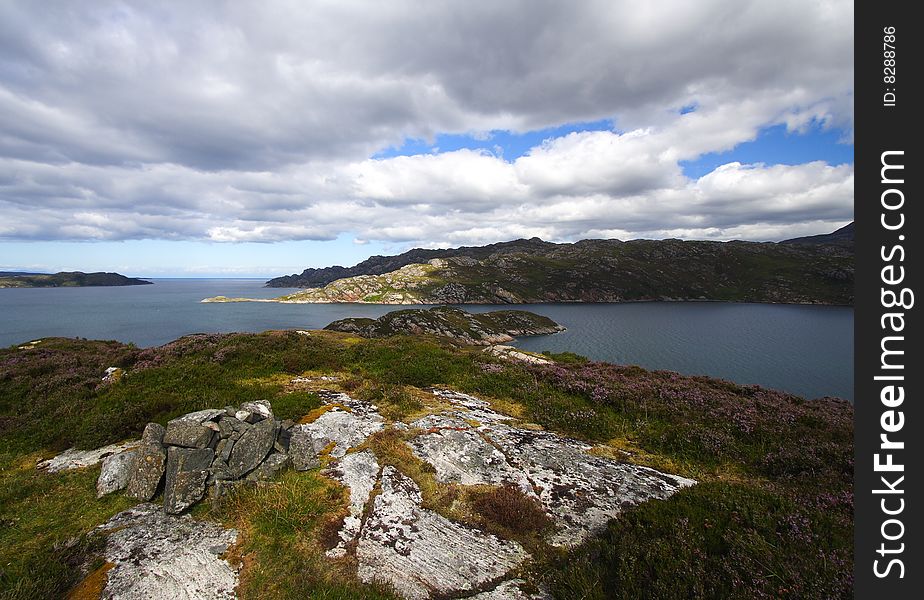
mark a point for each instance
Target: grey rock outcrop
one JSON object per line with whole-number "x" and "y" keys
{"x": 301, "y": 449}
{"x": 156, "y": 555}
{"x": 148, "y": 467}
{"x": 463, "y": 456}
{"x": 422, "y": 554}
{"x": 115, "y": 472}
{"x": 187, "y": 474}
{"x": 579, "y": 490}
{"x": 359, "y": 472}
{"x": 252, "y": 447}
{"x": 214, "y": 447}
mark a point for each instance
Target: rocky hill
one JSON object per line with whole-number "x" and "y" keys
{"x": 842, "y": 237}
{"x": 66, "y": 279}
{"x": 458, "y": 325}
{"x": 379, "y": 265}
{"x": 532, "y": 271}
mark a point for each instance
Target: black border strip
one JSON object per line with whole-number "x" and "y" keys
{"x": 886, "y": 123}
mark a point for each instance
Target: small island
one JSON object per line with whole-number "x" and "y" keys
{"x": 66, "y": 279}
{"x": 452, "y": 323}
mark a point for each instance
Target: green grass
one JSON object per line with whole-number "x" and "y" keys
{"x": 281, "y": 525}
{"x": 43, "y": 522}
{"x": 714, "y": 540}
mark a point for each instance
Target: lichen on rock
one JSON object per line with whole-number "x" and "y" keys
{"x": 156, "y": 555}
{"x": 422, "y": 553}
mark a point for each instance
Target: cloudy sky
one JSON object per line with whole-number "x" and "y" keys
{"x": 258, "y": 138}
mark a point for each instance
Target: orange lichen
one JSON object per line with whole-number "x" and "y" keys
{"x": 91, "y": 588}
{"x": 316, "y": 413}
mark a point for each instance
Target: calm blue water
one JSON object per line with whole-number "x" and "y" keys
{"x": 807, "y": 350}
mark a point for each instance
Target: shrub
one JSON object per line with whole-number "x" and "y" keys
{"x": 507, "y": 511}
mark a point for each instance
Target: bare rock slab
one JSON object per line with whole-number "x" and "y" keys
{"x": 359, "y": 472}
{"x": 579, "y": 490}
{"x": 116, "y": 470}
{"x": 167, "y": 557}
{"x": 463, "y": 456}
{"x": 423, "y": 554}
{"x": 187, "y": 474}
{"x": 346, "y": 425}
{"x": 510, "y": 590}
{"x": 81, "y": 459}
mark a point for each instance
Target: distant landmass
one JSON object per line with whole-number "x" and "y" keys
{"x": 841, "y": 237}
{"x": 15, "y": 279}
{"x": 817, "y": 269}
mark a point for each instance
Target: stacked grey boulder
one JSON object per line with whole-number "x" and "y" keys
{"x": 217, "y": 447}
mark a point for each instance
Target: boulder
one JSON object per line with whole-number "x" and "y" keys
{"x": 269, "y": 468}
{"x": 117, "y": 468}
{"x": 225, "y": 427}
{"x": 252, "y": 447}
{"x": 254, "y": 412}
{"x": 200, "y": 416}
{"x": 301, "y": 449}
{"x": 187, "y": 473}
{"x": 224, "y": 452}
{"x": 260, "y": 407}
{"x": 153, "y": 433}
{"x": 147, "y": 468}
{"x": 283, "y": 439}
{"x": 187, "y": 434}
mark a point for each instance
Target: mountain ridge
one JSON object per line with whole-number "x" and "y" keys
{"x": 534, "y": 271}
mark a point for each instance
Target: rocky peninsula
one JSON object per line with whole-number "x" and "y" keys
{"x": 816, "y": 270}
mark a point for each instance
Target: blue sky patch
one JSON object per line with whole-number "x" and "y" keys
{"x": 775, "y": 146}
{"x": 505, "y": 144}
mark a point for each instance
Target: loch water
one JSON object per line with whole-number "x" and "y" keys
{"x": 806, "y": 350}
